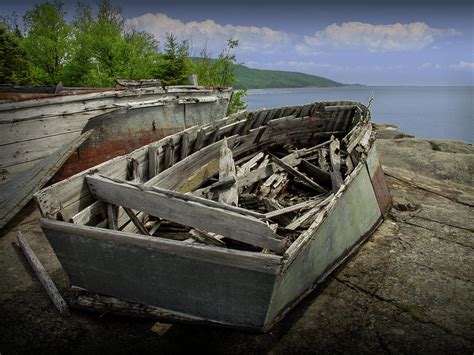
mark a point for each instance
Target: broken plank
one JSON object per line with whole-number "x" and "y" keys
{"x": 221, "y": 184}
{"x": 42, "y": 275}
{"x": 187, "y": 210}
{"x": 293, "y": 208}
{"x": 230, "y": 195}
{"x": 297, "y": 174}
{"x": 136, "y": 221}
{"x": 310, "y": 213}
{"x": 335, "y": 159}
{"x": 319, "y": 174}
{"x": 153, "y": 161}
{"x": 206, "y": 238}
{"x": 265, "y": 171}
{"x": 250, "y": 164}
{"x": 112, "y": 216}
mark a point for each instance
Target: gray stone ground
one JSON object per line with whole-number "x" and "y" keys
{"x": 409, "y": 289}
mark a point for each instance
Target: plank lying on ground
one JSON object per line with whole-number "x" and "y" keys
{"x": 187, "y": 210}
{"x": 230, "y": 195}
{"x": 297, "y": 174}
{"x": 42, "y": 275}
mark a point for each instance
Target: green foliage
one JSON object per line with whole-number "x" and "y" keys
{"x": 14, "y": 65}
{"x": 173, "y": 68}
{"x": 237, "y": 102}
{"x": 220, "y": 72}
{"x": 47, "y": 41}
{"x": 104, "y": 50}
{"x": 261, "y": 79}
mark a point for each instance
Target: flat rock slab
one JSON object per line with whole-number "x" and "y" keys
{"x": 408, "y": 289}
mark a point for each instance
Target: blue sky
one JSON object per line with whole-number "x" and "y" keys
{"x": 371, "y": 42}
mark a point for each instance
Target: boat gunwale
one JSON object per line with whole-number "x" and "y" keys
{"x": 88, "y": 96}
{"x": 267, "y": 263}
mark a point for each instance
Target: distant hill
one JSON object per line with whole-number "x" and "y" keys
{"x": 250, "y": 78}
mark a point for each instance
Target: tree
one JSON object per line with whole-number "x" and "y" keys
{"x": 104, "y": 50}
{"x": 173, "y": 68}
{"x": 14, "y": 64}
{"x": 47, "y": 41}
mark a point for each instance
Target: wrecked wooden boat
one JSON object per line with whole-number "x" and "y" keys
{"x": 35, "y": 122}
{"x": 230, "y": 223}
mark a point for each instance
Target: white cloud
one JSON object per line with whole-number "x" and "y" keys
{"x": 395, "y": 37}
{"x": 210, "y": 34}
{"x": 429, "y": 65}
{"x": 462, "y": 66}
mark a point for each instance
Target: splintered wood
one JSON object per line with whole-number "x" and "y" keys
{"x": 258, "y": 201}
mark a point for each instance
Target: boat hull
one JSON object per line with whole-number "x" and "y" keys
{"x": 123, "y": 120}
{"x": 186, "y": 282}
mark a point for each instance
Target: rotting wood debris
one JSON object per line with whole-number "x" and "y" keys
{"x": 284, "y": 186}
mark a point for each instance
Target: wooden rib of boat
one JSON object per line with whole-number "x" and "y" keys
{"x": 230, "y": 223}
{"x": 36, "y": 122}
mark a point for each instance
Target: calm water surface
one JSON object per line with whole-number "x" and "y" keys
{"x": 426, "y": 112}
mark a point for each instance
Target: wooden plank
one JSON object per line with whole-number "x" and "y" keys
{"x": 42, "y": 275}
{"x": 185, "y": 144}
{"x": 247, "y": 166}
{"x": 206, "y": 238}
{"x": 112, "y": 216}
{"x": 153, "y": 161}
{"x": 293, "y": 208}
{"x": 297, "y": 174}
{"x": 191, "y": 173}
{"x": 16, "y": 193}
{"x": 21, "y": 152}
{"x": 356, "y": 137}
{"x": 187, "y": 210}
{"x": 335, "y": 158}
{"x": 220, "y": 184}
{"x": 319, "y": 174}
{"x": 230, "y": 195}
{"x": 31, "y": 130}
{"x": 136, "y": 221}
{"x": 221, "y": 256}
{"x": 169, "y": 155}
{"x": 265, "y": 171}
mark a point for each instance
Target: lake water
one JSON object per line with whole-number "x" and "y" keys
{"x": 426, "y": 112}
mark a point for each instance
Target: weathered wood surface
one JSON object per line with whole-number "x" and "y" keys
{"x": 16, "y": 193}
{"x": 292, "y": 208}
{"x": 230, "y": 195}
{"x": 222, "y": 256}
{"x": 112, "y": 217}
{"x": 182, "y": 209}
{"x": 346, "y": 220}
{"x": 133, "y": 217}
{"x": 297, "y": 174}
{"x": 42, "y": 275}
{"x": 335, "y": 158}
{"x": 71, "y": 203}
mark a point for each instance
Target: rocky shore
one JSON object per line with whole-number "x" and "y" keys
{"x": 408, "y": 289}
